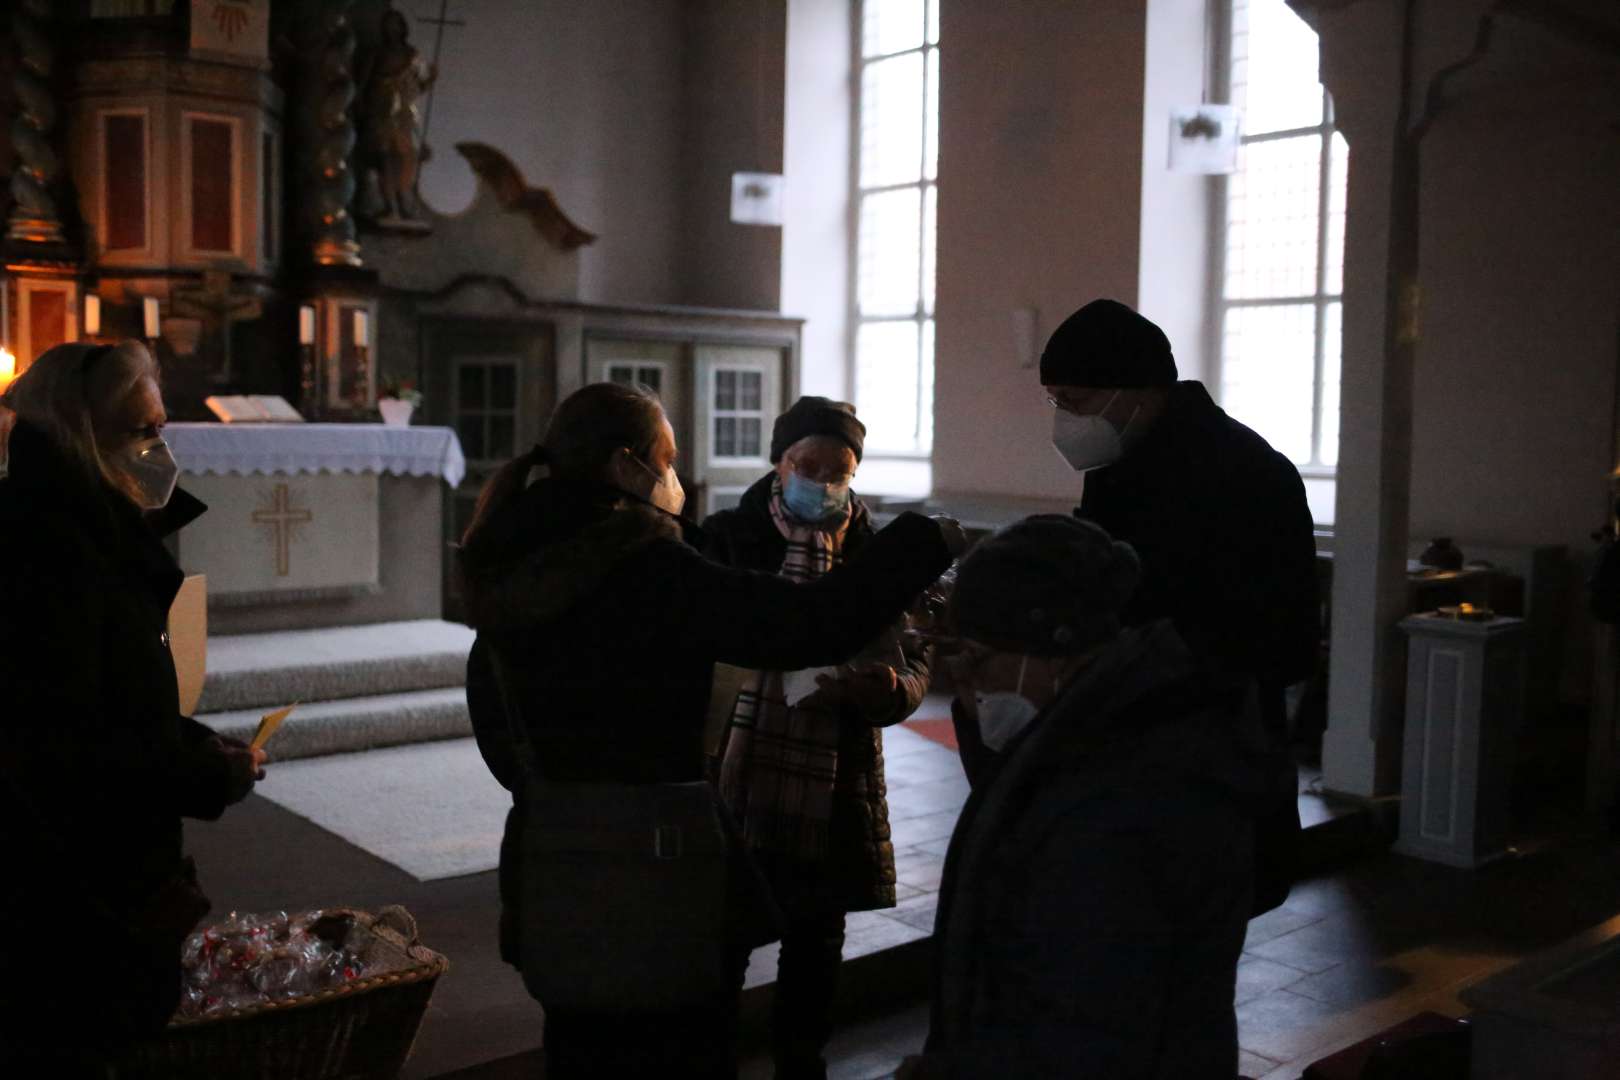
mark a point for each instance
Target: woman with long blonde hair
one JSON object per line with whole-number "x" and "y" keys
{"x": 97, "y": 766}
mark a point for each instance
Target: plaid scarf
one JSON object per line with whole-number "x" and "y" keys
{"x": 779, "y": 760}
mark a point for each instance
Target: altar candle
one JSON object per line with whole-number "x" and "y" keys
{"x": 306, "y": 325}
{"x": 361, "y": 337}
{"x": 92, "y": 315}
{"x": 8, "y": 368}
{"x": 149, "y": 314}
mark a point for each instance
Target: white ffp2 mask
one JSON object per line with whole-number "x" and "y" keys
{"x": 1003, "y": 713}
{"x": 663, "y": 491}
{"x": 150, "y": 463}
{"x": 1090, "y": 441}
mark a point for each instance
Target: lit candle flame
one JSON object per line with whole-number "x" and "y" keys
{"x": 8, "y": 367}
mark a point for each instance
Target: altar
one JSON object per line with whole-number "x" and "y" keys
{"x": 316, "y": 524}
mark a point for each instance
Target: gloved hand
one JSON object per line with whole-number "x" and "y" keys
{"x": 243, "y": 766}
{"x": 950, "y": 530}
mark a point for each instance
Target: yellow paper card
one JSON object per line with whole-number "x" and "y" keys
{"x": 268, "y": 725}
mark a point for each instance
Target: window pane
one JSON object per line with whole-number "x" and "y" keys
{"x": 891, "y": 121}
{"x": 470, "y": 387}
{"x": 886, "y": 384}
{"x": 1274, "y": 67}
{"x": 1272, "y": 219}
{"x": 931, "y": 119}
{"x": 748, "y": 390}
{"x": 725, "y": 390}
{"x": 502, "y": 386}
{"x": 652, "y": 378}
{"x": 888, "y": 251}
{"x": 889, "y": 26}
{"x": 1338, "y": 165}
{"x": 930, "y": 213}
{"x": 725, "y": 436}
{"x": 471, "y": 429}
{"x": 1267, "y": 371}
{"x": 925, "y": 417}
{"x": 501, "y": 436}
{"x": 1332, "y": 350}
{"x": 933, "y": 22}
{"x": 748, "y": 437}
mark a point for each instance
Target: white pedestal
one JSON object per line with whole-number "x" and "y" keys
{"x": 1464, "y": 701}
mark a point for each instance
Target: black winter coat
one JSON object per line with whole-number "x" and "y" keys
{"x": 612, "y": 622}
{"x": 1097, "y": 885}
{"x": 98, "y": 765}
{"x": 1220, "y": 521}
{"x": 859, "y": 870}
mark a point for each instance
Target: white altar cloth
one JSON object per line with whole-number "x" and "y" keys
{"x": 293, "y": 449}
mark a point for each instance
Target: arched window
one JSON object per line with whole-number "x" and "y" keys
{"x": 1281, "y": 241}
{"x": 896, "y": 158}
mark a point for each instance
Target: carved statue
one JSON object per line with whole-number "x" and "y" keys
{"x": 393, "y": 145}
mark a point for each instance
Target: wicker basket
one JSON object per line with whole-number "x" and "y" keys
{"x": 357, "y": 1031}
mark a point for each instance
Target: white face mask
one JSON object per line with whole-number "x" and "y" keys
{"x": 1003, "y": 713}
{"x": 1089, "y": 441}
{"x": 664, "y": 492}
{"x": 150, "y": 463}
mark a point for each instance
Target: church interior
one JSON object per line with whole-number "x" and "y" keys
{"x": 1384, "y": 234}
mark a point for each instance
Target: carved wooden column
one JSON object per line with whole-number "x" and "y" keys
{"x": 329, "y": 183}
{"x": 34, "y": 217}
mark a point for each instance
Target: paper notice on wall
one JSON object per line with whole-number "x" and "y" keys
{"x": 236, "y": 28}
{"x": 1204, "y": 139}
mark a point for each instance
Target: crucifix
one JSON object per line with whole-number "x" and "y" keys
{"x": 281, "y": 517}
{"x": 216, "y": 304}
{"x": 438, "y": 45}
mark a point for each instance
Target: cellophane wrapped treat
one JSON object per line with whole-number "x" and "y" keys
{"x": 250, "y": 959}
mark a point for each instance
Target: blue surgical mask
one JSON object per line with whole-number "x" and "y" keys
{"x": 810, "y": 501}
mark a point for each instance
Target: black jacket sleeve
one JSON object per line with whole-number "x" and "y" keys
{"x": 64, "y": 730}
{"x": 762, "y": 620}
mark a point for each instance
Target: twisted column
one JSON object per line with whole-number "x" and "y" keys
{"x": 34, "y": 216}
{"x": 330, "y": 92}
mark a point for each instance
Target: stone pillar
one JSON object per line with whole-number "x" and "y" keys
{"x": 1362, "y": 68}
{"x": 34, "y": 217}
{"x": 329, "y": 93}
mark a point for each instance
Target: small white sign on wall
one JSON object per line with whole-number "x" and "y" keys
{"x": 756, "y": 198}
{"x": 1204, "y": 139}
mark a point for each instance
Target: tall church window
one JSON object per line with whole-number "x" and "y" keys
{"x": 896, "y": 158}
{"x": 1282, "y": 243}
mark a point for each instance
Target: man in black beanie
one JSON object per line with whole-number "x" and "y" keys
{"x": 1099, "y": 879}
{"x": 1218, "y": 517}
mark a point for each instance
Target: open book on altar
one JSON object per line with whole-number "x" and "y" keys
{"x": 253, "y": 408}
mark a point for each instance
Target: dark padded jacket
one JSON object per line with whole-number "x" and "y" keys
{"x": 98, "y": 765}
{"x": 611, "y": 623}
{"x": 859, "y": 871}
{"x": 1098, "y": 884}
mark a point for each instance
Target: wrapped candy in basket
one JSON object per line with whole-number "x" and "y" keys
{"x": 318, "y": 996}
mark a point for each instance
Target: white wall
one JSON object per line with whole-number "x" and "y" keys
{"x": 585, "y": 99}
{"x": 816, "y": 236}
{"x": 1173, "y": 279}
{"x": 1040, "y": 194}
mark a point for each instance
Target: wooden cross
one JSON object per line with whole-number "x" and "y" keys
{"x": 282, "y": 517}
{"x": 438, "y": 44}
{"x": 214, "y": 302}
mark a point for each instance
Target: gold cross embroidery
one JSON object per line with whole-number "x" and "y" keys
{"x": 282, "y": 517}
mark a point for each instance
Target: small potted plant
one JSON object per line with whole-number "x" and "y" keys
{"x": 396, "y": 399}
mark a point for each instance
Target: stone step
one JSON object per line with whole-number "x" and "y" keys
{"x": 357, "y": 723}
{"x": 265, "y": 671}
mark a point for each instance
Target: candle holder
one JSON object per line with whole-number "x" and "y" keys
{"x": 309, "y": 387}
{"x": 360, "y": 399}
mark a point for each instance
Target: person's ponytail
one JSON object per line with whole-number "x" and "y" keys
{"x": 501, "y": 489}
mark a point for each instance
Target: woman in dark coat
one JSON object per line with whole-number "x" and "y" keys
{"x": 97, "y": 766}
{"x": 1098, "y": 883}
{"x": 845, "y": 862}
{"x": 608, "y": 623}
